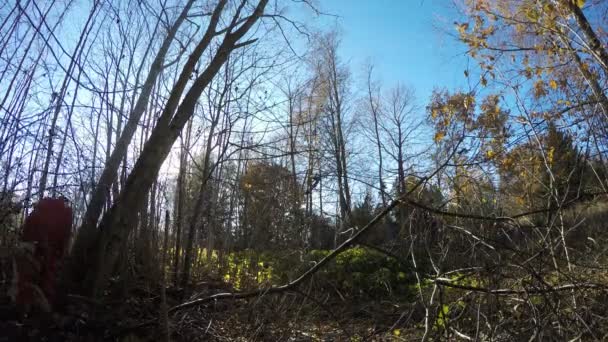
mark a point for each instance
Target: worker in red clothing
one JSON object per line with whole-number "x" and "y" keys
{"x": 44, "y": 244}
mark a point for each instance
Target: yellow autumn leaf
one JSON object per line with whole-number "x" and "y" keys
{"x": 579, "y": 3}
{"x": 490, "y": 154}
{"x": 532, "y": 14}
{"x": 462, "y": 28}
{"x": 553, "y": 84}
{"x": 497, "y": 109}
{"x": 439, "y": 136}
{"x": 434, "y": 113}
{"x": 550, "y": 155}
{"x": 528, "y": 72}
{"x": 470, "y": 100}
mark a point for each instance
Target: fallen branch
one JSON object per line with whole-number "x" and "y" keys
{"x": 567, "y": 287}
{"x": 512, "y": 218}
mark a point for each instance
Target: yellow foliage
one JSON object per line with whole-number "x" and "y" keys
{"x": 490, "y": 154}
{"x": 462, "y": 28}
{"x": 468, "y": 100}
{"x": 528, "y": 72}
{"x": 553, "y": 84}
{"x": 532, "y": 14}
{"x": 446, "y": 109}
{"x": 497, "y": 109}
{"x": 439, "y": 136}
{"x": 550, "y": 155}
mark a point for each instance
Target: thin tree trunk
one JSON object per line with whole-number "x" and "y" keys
{"x": 59, "y": 101}
{"x": 164, "y": 310}
{"x": 68, "y": 124}
{"x": 181, "y": 202}
{"x": 196, "y": 213}
{"x": 375, "y": 116}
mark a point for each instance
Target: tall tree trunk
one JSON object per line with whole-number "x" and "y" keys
{"x": 164, "y": 310}
{"x": 375, "y": 111}
{"x": 593, "y": 42}
{"x": 295, "y": 194}
{"x": 341, "y": 145}
{"x": 198, "y": 205}
{"x": 86, "y": 237}
{"x": 116, "y": 224}
{"x": 181, "y": 201}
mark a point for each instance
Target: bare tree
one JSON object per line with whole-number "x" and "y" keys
{"x": 87, "y": 232}
{"x": 333, "y": 90}
{"x": 116, "y": 223}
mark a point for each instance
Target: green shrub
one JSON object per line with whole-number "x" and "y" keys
{"x": 358, "y": 271}
{"x": 363, "y": 272}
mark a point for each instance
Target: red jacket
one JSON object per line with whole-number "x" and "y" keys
{"x": 48, "y": 227}
{"x": 50, "y": 223}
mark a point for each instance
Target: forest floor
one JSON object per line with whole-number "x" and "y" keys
{"x": 279, "y": 317}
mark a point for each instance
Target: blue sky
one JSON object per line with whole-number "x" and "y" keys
{"x": 405, "y": 39}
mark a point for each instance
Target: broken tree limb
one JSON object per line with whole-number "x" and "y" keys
{"x": 506, "y": 291}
